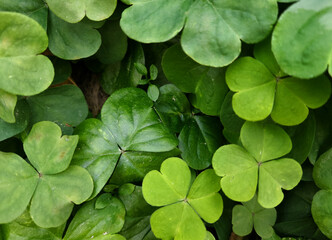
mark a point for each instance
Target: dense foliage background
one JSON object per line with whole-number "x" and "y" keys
{"x": 168, "y": 119}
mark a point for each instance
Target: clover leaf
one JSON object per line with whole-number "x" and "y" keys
{"x": 23, "y": 71}
{"x": 252, "y": 215}
{"x": 130, "y": 136}
{"x": 256, "y": 164}
{"x": 302, "y": 39}
{"x": 322, "y": 202}
{"x": 92, "y": 221}
{"x": 262, "y": 90}
{"x": 162, "y": 20}
{"x": 75, "y": 10}
{"x": 185, "y": 204}
{"x": 50, "y": 183}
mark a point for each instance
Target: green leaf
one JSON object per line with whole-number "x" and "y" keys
{"x": 7, "y": 106}
{"x": 72, "y": 41}
{"x": 18, "y": 182}
{"x": 321, "y": 173}
{"x": 133, "y": 166}
{"x": 239, "y": 172}
{"x": 123, "y": 74}
{"x": 153, "y": 92}
{"x": 96, "y": 151}
{"x": 305, "y": 53}
{"x": 74, "y": 11}
{"x": 103, "y": 201}
{"x": 242, "y": 220}
{"x": 172, "y": 222}
{"x": 321, "y": 211}
{"x": 25, "y": 229}
{"x": 134, "y": 124}
{"x": 141, "y": 69}
{"x": 198, "y": 140}
{"x": 153, "y": 72}
{"x": 62, "y": 70}
{"x": 208, "y": 84}
{"x": 169, "y": 185}
{"x": 160, "y": 20}
{"x": 64, "y": 105}
{"x": 47, "y": 150}
{"x": 55, "y": 195}
{"x": 8, "y": 130}
{"x": 204, "y": 197}
{"x": 283, "y": 173}
{"x": 265, "y": 141}
{"x": 114, "y": 43}
{"x": 22, "y": 71}
{"x": 172, "y": 107}
{"x": 90, "y": 222}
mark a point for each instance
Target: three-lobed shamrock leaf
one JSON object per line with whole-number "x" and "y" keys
{"x": 49, "y": 182}
{"x": 263, "y": 89}
{"x": 130, "y": 137}
{"x": 184, "y": 205}
{"x": 23, "y": 71}
{"x": 256, "y": 164}
{"x": 252, "y": 215}
{"x": 161, "y": 20}
{"x": 321, "y": 207}
{"x": 74, "y": 11}
{"x": 302, "y": 39}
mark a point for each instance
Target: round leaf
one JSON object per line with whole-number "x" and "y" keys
{"x": 74, "y": 11}
{"x": 265, "y": 141}
{"x": 177, "y": 221}
{"x": 283, "y": 173}
{"x": 301, "y": 41}
{"x": 242, "y": 220}
{"x": 56, "y": 194}
{"x": 239, "y": 172}
{"x": 7, "y": 106}
{"x": 22, "y": 38}
{"x": 47, "y": 150}
{"x": 168, "y": 186}
{"x": 322, "y": 171}
{"x": 18, "y": 181}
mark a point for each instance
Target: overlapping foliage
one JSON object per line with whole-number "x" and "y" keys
{"x": 177, "y": 119}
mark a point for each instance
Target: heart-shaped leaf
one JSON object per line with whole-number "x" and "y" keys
{"x": 22, "y": 71}
{"x": 7, "y": 106}
{"x": 160, "y": 21}
{"x": 75, "y": 10}
{"x": 305, "y": 53}
{"x": 286, "y": 98}
{"x": 49, "y": 153}
{"x": 90, "y": 222}
{"x": 18, "y": 181}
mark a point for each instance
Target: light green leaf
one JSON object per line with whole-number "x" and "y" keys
{"x": 74, "y": 11}
{"x": 55, "y": 195}
{"x": 153, "y": 92}
{"x": 305, "y": 53}
{"x": 239, "y": 172}
{"x": 265, "y": 141}
{"x": 263, "y": 222}
{"x": 123, "y": 74}
{"x": 274, "y": 175}
{"x": 204, "y": 197}
{"x": 18, "y": 181}
{"x": 198, "y": 140}
{"x": 322, "y": 211}
{"x": 72, "y": 41}
{"x": 22, "y": 38}
{"x": 141, "y": 68}
{"x": 169, "y": 185}
{"x": 134, "y": 124}
{"x": 8, "y": 130}
{"x": 96, "y": 151}
{"x": 254, "y": 86}
{"x": 171, "y": 222}
{"x": 153, "y": 72}
{"x": 47, "y": 150}
{"x": 90, "y": 222}
{"x": 159, "y": 20}
{"x": 7, "y": 106}
{"x": 133, "y": 166}
{"x": 114, "y": 43}
{"x": 64, "y": 105}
